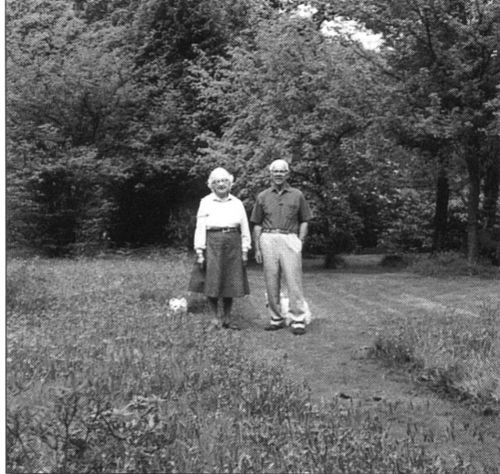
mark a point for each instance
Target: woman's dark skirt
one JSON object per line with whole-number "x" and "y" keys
{"x": 225, "y": 275}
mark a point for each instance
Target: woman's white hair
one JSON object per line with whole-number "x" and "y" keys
{"x": 220, "y": 173}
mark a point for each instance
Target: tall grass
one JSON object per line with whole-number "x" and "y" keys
{"x": 454, "y": 353}
{"x": 101, "y": 377}
{"x": 26, "y": 288}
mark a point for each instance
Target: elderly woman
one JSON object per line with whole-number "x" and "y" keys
{"x": 221, "y": 241}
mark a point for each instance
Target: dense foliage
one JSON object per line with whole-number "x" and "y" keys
{"x": 118, "y": 110}
{"x": 444, "y": 56}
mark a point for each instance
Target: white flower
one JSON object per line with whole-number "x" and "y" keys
{"x": 178, "y": 305}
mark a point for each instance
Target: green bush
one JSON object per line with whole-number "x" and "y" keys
{"x": 409, "y": 227}
{"x": 153, "y": 204}
{"x": 85, "y": 205}
{"x": 65, "y": 208}
{"x": 450, "y": 263}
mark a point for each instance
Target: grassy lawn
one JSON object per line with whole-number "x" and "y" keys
{"x": 358, "y": 307}
{"x": 102, "y": 377}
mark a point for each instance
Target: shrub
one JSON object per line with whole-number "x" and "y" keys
{"x": 450, "y": 263}
{"x": 60, "y": 208}
{"x": 394, "y": 261}
{"x": 153, "y": 203}
{"x": 83, "y": 204}
{"x": 409, "y": 227}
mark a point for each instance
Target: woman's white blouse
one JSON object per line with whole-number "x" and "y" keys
{"x": 215, "y": 212}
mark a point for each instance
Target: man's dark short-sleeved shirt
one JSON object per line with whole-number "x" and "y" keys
{"x": 285, "y": 210}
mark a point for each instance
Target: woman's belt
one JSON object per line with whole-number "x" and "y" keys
{"x": 278, "y": 231}
{"x": 223, "y": 229}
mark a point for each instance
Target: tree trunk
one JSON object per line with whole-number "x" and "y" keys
{"x": 473, "y": 207}
{"x": 441, "y": 210}
{"x": 491, "y": 186}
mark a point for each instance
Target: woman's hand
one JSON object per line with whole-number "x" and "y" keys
{"x": 258, "y": 256}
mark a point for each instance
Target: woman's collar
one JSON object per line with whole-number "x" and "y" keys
{"x": 217, "y": 198}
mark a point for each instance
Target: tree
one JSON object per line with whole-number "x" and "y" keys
{"x": 106, "y": 81}
{"x": 71, "y": 96}
{"x": 446, "y": 57}
{"x": 68, "y": 85}
{"x": 297, "y": 95}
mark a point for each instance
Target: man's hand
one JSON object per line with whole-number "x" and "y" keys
{"x": 244, "y": 257}
{"x": 200, "y": 260}
{"x": 258, "y": 256}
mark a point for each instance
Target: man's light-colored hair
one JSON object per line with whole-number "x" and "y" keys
{"x": 220, "y": 173}
{"x": 277, "y": 163}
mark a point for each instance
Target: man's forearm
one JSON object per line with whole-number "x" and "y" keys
{"x": 257, "y": 230}
{"x": 303, "y": 231}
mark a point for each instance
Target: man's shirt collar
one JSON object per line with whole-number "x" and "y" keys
{"x": 286, "y": 187}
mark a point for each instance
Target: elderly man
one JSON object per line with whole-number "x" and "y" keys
{"x": 281, "y": 216}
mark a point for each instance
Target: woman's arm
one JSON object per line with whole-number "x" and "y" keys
{"x": 200, "y": 233}
{"x": 246, "y": 238}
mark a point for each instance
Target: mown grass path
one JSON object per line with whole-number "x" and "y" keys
{"x": 349, "y": 307}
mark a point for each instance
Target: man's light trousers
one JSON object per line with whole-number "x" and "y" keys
{"x": 282, "y": 255}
